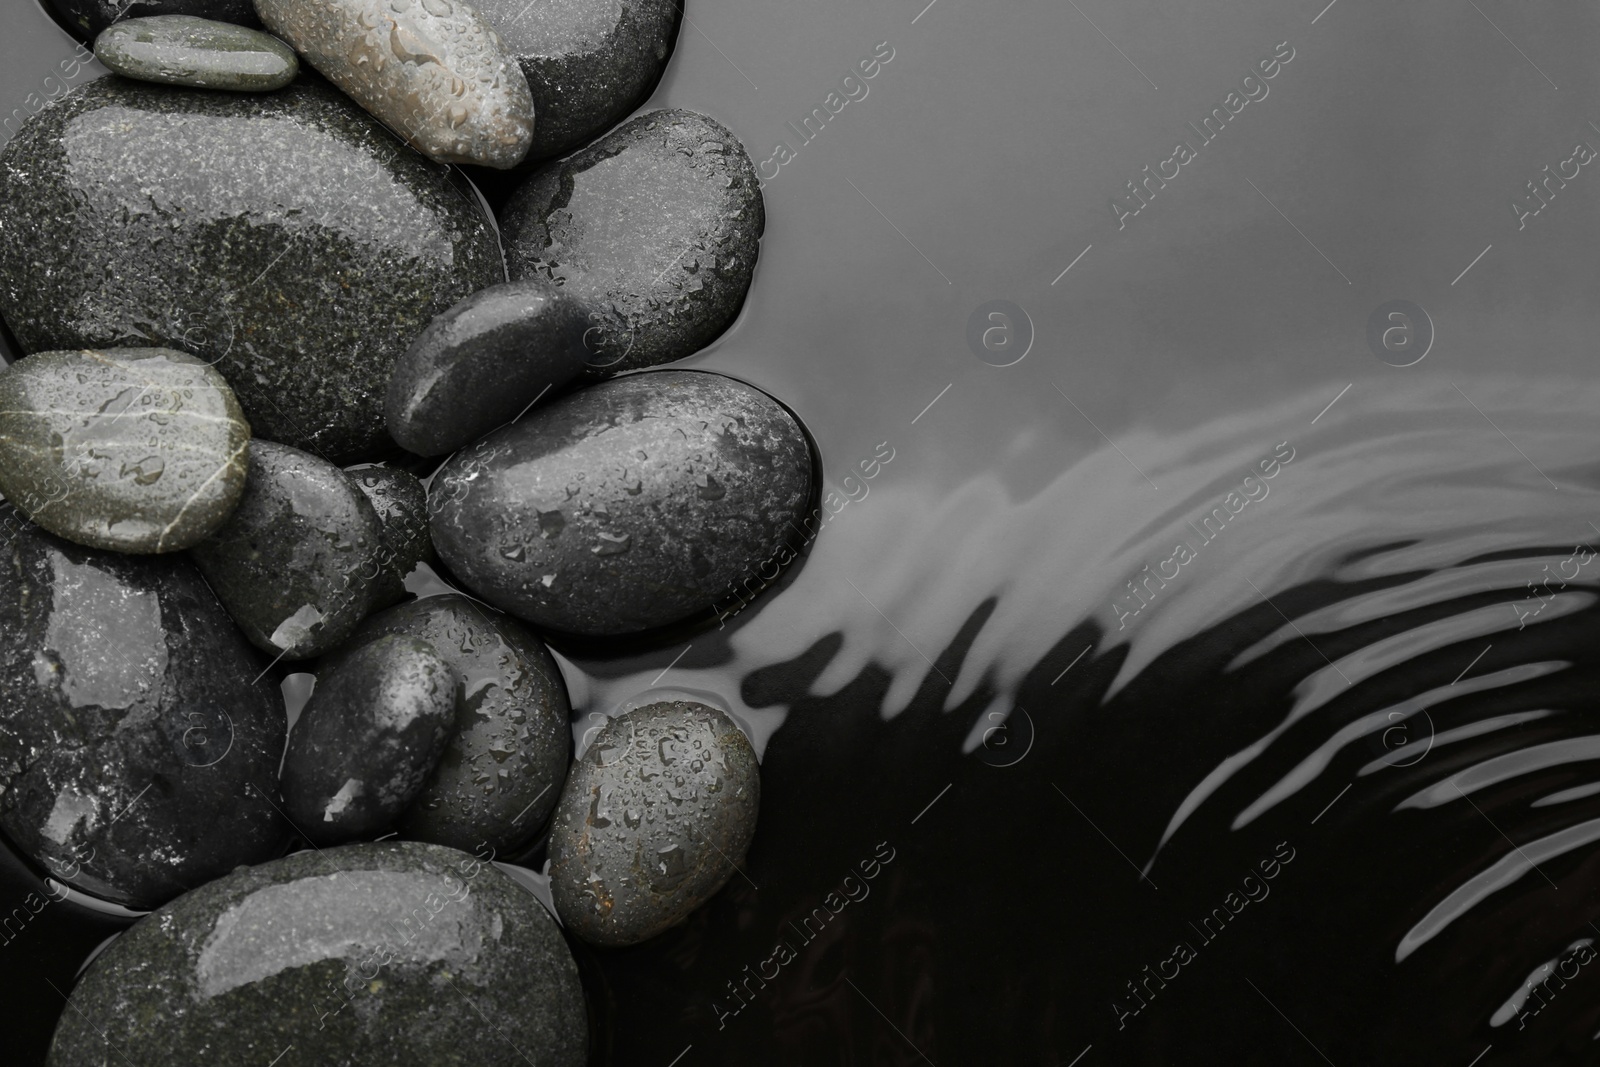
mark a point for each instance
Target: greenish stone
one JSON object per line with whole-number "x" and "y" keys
{"x": 127, "y": 449}
{"x": 300, "y": 561}
{"x": 285, "y": 238}
{"x": 196, "y": 52}
{"x": 394, "y": 953}
{"x": 652, "y": 822}
{"x": 655, "y": 227}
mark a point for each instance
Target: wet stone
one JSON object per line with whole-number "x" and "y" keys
{"x": 402, "y": 506}
{"x": 284, "y": 238}
{"x": 353, "y": 955}
{"x": 195, "y": 52}
{"x": 368, "y": 739}
{"x": 625, "y": 506}
{"x": 132, "y": 450}
{"x": 503, "y": 768}
{"x": 299, "y": 562}
{"x": 134, "y": 744}
{"x": 652, "y": 821}
{"x": 480, "y": 364}
{"x": 434, "y": 71}
{"x": 88, "y": 18}
{"x": 657, "y": 224}
{"x": 588, "y": 65}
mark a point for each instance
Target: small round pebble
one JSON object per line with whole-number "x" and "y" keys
{"x": 368, "y": 739}
{"x": 129, "y": 449}
{"x": 299, "y": 562}
{"x": 503, "y": 768}
{"x": 87, "y": 18}
{"x": 652, "y": 821}
{"x": 394, "y": 953}
{"x": 198, "y": 53}
{"x": 480, "y": 364}
{"x": 628, "y": 505}
{"x": 657, "y": 225}
{"x": 402, "y": 506}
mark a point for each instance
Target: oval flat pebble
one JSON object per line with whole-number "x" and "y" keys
{"x": 402, "y": 506}
{"x": 588, "y": 65}
{"x": 504, "y": 765}
{"x": 87, "y": 18}
{"x": 657, "y": 224}
{"x": 368, "y": 739}
{"x": 431, "y": 70}
{"x": 284, "y": 238}
{"x": 628, "y": 505}
{"x": 130, "y": 449}
{"x": 387, "y": 953}
{"x": 299, "y": 562}
{"x": 652, "y": 821}
{"x": 481, "y": 363}
{"x": 136, "y": 734}
{"x": 195, "y": 52}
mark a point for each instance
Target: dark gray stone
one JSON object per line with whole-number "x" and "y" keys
{"x": 402, "y": 506}
{"x": 503, "y": 769}
{"x": 139, "y": 745}
{"x": 587, "y": 64}
{"x": 652, "y": 821}
{"x": 625, "y": 506}
{"x": 284, "y": 237}
{"x": 368, "y": 739}
{"x": 657, "y": 225}
{"x": 434, "y": 71}
{"x": 378, "y": 954}
{"x": 300, "y": 561}
{"x": 483, "y": 362}
{"x": 88, "y": 18}
{"x": 198, "y": 53}
{"x": 130, "y": 449}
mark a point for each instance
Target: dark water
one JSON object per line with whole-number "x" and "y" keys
{"x": 1325, "y": 795}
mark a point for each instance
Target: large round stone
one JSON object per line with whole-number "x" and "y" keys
{"x": 364, "y": 956}
{"x": 657, "y": 225}
{"x": 631, "y": 504}
{"x": 139, "y": 744}
{"x": 285, "y": 237}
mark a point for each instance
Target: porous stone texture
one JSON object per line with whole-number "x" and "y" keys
{"x": 368, "y": 739}
{"x": 588, "y": 63}
{"x": 431, "y": 70}
{"x": 131, "y": 450}
{"x": 503, "y": 768}
{"x": 656, "y": 225}
{"x": 87, "y": 18}
{"x": 402, "y": 506}
{"x": 627, "y": 505}
{"x": 198, "y": 53}
{"x": 480, "y": 364}
{"x": 300, "y": 561}
{"x": 653, "y": 820}
{"x": 364, "y": 956}
{"x": 285, "y": 238}
{"x": 139, "y": 745}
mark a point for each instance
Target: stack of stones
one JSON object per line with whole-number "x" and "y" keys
{"x": 283, "y": 298}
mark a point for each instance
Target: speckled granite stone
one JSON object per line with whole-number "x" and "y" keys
{"x": 625, "y": 506}
{"x": 284, "y": 237}
{"x": 503, "y": 769}
{"x": 195, "y": 52}
{"x": 402, "y": 506}
{"x": 368, "y": 739}
{"x": 138, "y": 750}
{"x": 299, "y": 562}
{"x": 130, "y": 449}
{"x": 481, "y": 363}
{"x": 652, "y": 821}
{"x": 434, "y": 71}
{"x": 87, "y": 18}
{"x": 588, "y": 64}
{"x": 658, "y": 223}
{"x": 393, "y": 954}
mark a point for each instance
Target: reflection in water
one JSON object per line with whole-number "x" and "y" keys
{"x": 1379, "y": 655}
